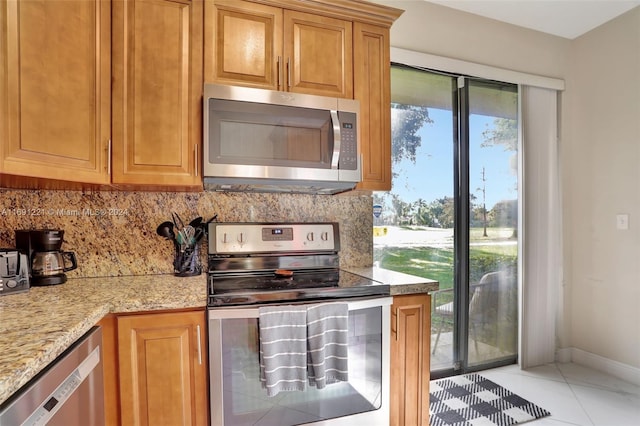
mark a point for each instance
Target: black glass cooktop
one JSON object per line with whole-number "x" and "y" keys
{"x": 289, "y": 286}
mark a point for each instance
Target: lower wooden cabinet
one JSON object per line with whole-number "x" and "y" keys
{"x": 109, "y": 326}
{"x": 161, "y": 369}
{"x": 410, "y": 341}
{"x": 156, "y": 374}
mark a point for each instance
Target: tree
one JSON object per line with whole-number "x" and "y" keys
{"x": 423, "y": 214}
{"x": 442, "y": 210}
{"x": 407, "y": 121}
{"x": 402, "y": 209}
{"x": 504, "y": 132}
{"x": 505, "y": 213}
{"x": 483, "y": 189}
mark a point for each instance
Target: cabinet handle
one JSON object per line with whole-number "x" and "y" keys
{"x": 195, "y": 159}
{"x": 288, "y": 72}
{"x": 279, "y": 71}
{"x": 199, "y": 345}
{"x": 109, "y": 158}
{"x": 394, "y": 323}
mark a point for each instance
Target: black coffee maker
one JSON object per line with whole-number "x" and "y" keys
{"x": 47, "y": 262}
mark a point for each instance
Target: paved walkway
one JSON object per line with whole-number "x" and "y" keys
{"x": 430, "y": 237}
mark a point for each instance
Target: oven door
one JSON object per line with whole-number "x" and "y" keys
{"x": 237, "y": 396}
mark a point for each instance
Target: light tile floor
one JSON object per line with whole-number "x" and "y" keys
{"x": 573, "y": 394}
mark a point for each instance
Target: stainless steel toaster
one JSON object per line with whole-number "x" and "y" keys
{"x": 14, "y": 271}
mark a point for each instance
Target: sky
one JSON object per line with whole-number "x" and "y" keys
{"x": 431, "y": 177}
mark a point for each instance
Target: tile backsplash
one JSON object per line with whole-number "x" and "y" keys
{"x": 114, "y": 233}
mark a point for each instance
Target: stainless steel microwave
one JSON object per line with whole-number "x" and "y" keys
{"x": 269, "y": 141}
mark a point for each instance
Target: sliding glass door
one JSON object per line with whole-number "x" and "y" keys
{"x": 452, "y": 212}
{"x": 489, "y": 286}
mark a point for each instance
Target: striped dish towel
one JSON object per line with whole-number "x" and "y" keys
{"x": 283, "y": 348}
{"x": 327, "y": 338}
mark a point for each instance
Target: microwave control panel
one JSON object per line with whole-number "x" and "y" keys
{"x": 348, "y": 141}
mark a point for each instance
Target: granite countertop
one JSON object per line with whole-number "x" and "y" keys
{"x": 399, "y": 282}
{"x": 38, "y": 325}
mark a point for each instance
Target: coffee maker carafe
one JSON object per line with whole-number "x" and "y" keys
{"x": 47, "y": 262}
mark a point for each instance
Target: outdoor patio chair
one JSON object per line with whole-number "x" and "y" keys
{"x": 483, "y": 307}
{"x": 441, "y": 310}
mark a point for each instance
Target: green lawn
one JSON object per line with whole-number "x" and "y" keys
{"x": 426, "y": 262}
{"x": 437, "y": 263}
{"x": 493, "y": 234}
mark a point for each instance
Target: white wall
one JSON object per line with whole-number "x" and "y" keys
{"x": 599, "y": 143}
{"x": 438, "y": 30}
{"x": 602, "y": 159}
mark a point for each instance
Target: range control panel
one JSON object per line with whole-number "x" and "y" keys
{"x": 238, "y": 238}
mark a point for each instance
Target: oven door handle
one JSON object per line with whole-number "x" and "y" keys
{"x": 253, "y": 312}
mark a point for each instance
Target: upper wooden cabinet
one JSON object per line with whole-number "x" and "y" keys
{"x": 243, "y": 43}
{"x": 323, "y": 47}
{"x": 55, "y": 89}
{"x": 372, "y": 89}
{"x": 318, "y": 52}
{"x": 56, "y": 94}
{"x": 270, "y": 47}
{"x": 157, "y": 92}
{"x": 107, "y": 92}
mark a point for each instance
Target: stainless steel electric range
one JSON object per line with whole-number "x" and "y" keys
{"x": 252, "y": 265}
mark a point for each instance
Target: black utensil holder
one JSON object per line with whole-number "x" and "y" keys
{"x": 186, "y": 263}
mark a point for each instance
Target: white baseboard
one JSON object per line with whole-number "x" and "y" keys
{"x": 600, "y": 363}
{"x": 563, "y": 355}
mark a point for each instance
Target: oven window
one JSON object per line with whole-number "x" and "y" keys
{"x": 246, "y": 402}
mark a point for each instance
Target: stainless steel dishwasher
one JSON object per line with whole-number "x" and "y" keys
{"x": 68, "y": 392}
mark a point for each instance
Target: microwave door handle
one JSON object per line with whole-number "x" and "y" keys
{"x": 335, "y": 158}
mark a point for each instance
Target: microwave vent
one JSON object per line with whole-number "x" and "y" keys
{"x": 281, "y": 186}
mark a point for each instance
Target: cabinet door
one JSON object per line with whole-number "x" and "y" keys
{"x": 157, "y": 91}
{"x": 243, "y": 44}
{"x": 410, "y": 340}
{"x": 163, "y": 378}
{"x": 372, "y": 89}
{"x": 109, "y": 326}
{"x": 318, "y": 52}
{"x": 55, "y": 86}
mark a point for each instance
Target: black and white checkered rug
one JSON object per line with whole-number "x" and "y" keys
{"x": 473, "y": 400}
